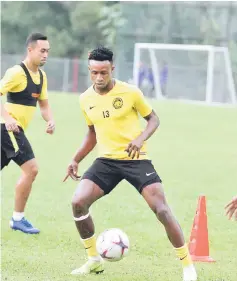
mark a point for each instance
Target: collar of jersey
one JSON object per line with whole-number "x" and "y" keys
{"x": 110, "y": 92}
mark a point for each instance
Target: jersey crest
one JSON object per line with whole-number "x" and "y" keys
{"x": 117, "y": 103}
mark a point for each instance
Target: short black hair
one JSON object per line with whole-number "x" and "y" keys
{"x": 33, "y": 37}
{"x": 101, "y": 54}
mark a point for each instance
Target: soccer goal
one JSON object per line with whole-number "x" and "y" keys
{"x": 189, "y": 72}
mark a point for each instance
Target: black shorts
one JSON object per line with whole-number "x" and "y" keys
{"x": 107, "y": 173}
{"x": 15, "y": 146}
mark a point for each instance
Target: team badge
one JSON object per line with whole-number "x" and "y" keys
{"x": 117, "y": 103}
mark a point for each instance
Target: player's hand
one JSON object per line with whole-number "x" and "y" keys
{"x": 134, "y": 148}
{"x": 231, "y": 208}
{"x": 11, "y": 125}
{"x": 50, "y": 127}
{"x": 72, "y": 171}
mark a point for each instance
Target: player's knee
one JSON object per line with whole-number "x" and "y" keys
{"x": 30, "y": 169}
{"x": 78, "y": 205}
{"x": 32, "y": 172}
{"x": 162, "y": 212}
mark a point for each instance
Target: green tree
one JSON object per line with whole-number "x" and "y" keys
{"x": 72, "y": 27}
{"x": 20, "y": 18}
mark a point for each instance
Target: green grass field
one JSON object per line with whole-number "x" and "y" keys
{"x": 194, "y": 152}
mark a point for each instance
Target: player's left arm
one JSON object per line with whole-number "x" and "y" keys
{"x": 146, "y": 111}
{"x": 45, "y": 108}
{"x": 153, "y": 123}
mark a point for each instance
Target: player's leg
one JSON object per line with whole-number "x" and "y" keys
{"x": 85, "y": 195}
{"x": 24, "y": 185}
{"x": 155, "y": 197}
{"x": 143, "y": 176}
{"x": 99, "y": 179}
{"x": 26, "y": 161}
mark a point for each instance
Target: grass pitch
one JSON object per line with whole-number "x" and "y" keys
{"x": 194, "y": 152}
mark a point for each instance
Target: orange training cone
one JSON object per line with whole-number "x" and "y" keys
{"x": 199, "y": 244}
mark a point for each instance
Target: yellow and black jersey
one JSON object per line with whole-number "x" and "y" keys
{"x": 23, "y": 88}
{"x": 115, "y": 117}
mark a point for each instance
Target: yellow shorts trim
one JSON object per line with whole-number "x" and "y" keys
{"x": 13, "y": 140}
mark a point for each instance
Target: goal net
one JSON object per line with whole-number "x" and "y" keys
{"x": 189, "y": 72}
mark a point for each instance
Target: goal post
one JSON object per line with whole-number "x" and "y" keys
{"x": 191, "y": 72}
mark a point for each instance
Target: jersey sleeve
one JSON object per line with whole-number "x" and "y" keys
{"x": 44, "y": 91}
{"x": 88, "y": 121}
{"x": 141, "y": 104}
{"x": 10, "y": 80}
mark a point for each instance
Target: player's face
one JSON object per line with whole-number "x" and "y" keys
{"x": 39, "y": 51}
{"x": 101, "y": 73}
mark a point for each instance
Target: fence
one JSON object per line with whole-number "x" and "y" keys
{"x": 64, "y": 75}
{"x": 71, "y": 75}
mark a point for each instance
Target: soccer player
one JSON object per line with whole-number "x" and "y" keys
{"x": 111, "y": 109}
{"x": 25, "y": 85}
{"x": 163, "y": 78}
{"x": 231, "y": 208}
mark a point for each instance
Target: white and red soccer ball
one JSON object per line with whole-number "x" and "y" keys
{"x": 112, "y": 244}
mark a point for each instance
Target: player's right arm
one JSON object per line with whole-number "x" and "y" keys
{"x": 7, "y": 84}
{"x": 87, "y": 146}
{"x": 10, "y": 122}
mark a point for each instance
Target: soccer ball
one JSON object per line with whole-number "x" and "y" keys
{"x": 112, "y": 244}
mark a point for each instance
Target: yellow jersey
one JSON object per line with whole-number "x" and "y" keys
{"x": 115, "y": 117}
{"x": 23, "y": 88}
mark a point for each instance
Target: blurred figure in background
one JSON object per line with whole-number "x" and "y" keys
{"x": 146, "y": 80}
{"x": 164, "y": 78}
